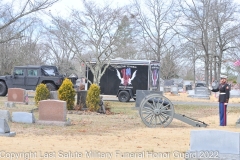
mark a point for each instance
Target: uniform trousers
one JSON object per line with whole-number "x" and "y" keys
{"x": 223, "y": 114}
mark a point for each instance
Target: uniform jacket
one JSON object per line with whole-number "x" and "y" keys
{"x": 224, "y": 92}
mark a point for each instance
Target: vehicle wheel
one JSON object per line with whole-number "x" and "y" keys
{"x": 3, "y": 89}
{"x": 123, "y": 96}
{"x": 51, "y": 87}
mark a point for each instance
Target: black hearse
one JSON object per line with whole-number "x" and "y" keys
{"x": 123, "y": 77}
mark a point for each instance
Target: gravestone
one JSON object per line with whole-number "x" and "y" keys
{"x": 167, "y": 85}
{"x": 31, "y": 93}
{"x": 16, "y": 95}
{"x": 201, "y": 92}
{"x": 174, "y": 90}
{"x": 234, "y": 93}
{"x": 191, "y": 93}
{"x": 54, "y": 95}
{"x": 81, "y": 99}
{"x": 140, "y": 94}
{"x": 224, "y": 144}
{"x": 161, "y": 89}
{"x": 4, "y": 114}
{"x": 180, "y": 89}
{"x": 9, "y": 104}
{"x": 23, "y": 117}
{"x": 4, "y": 129}
{"x": 53, "y": 112}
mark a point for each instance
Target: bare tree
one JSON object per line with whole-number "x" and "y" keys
{"x": 226, "y": 27}
{"x": 156, "y": 20}
{"x": 60, "y": 54}
{"x": 16, "y": 16}
{"x": 210, "y": 26}
{"x": 26, "y": 50}
{"x": 126, "y": 47}
{"x": 197, "y": 26}
{"x": 169, "y": 67}
{"x": 92, "y": 32}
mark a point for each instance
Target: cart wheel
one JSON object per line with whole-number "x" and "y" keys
{"x": 156, "y": 111}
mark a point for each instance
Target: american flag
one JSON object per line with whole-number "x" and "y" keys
{"x": 26, "y": 99}
{"x": 237, "y": 63}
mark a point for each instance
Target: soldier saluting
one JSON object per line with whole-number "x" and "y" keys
{"x": 224, "y": 94}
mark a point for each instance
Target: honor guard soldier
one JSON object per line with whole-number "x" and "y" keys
{"x": 224, "y": 94}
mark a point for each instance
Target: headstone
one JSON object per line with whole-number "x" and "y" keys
{"x": 234, "y": 93}
{"x": 4, "y": 114}
{"x": 53, "y": 112}
{"x": 23, "y": 117}
{"x": 31, "y": 93}
{"x": 81, "y": 99}
{"x": 223, "y": 144}
{"x": 174, "y": 90}
{"x": 191, "y": 93}
{"x": 141, "y": 94}
{"x": 9, "y": 104}
{"x": 16, "y": 95}
{"x": 4, "y": 129}
{"x": 161, "y": 89}
{"x": 201, "y": 92}
{"x": 54, "y": 95}
{"x": 180, "y": 89}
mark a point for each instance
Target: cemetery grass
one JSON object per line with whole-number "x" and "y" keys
{"x": 120, "y": 130}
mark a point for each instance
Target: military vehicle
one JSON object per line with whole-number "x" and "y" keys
{"x": 28, "y": 77}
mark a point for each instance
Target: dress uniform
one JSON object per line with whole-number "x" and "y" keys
{"x": 224, "y": 94}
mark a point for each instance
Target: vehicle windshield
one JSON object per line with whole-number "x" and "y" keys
{"x": 50, "y": 71}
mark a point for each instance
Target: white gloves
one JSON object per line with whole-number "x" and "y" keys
{"x": 210, "y": 87}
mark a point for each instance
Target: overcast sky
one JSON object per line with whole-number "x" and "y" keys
{"x": 63, "y": 6}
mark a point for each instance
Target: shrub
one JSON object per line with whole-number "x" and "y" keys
{"x": 67, "y": 93}
{"x": 42, "y": 93}
{"x": 93, "y": 97}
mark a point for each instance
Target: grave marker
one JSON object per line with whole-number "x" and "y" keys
{"x": 201, "y": 92}
{"x": 16, "y": 95}
{"x": 4, "y": 114}
{"x": 225, "y": 143}
{"x": 4, "y": 129}
{"x": 53, "y": 112}
{"x": 23, "y": 117}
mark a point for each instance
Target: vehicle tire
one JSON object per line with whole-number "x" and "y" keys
{"x": 123, "y": 96}
{"x": 51, "y": 87}
{"x": 3, "y": 89}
